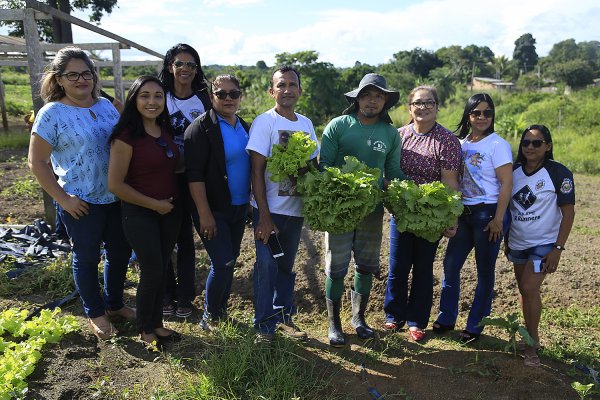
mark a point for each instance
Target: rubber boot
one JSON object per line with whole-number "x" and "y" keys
{"x": 359, "y": 305}
{"x": 336, "y": 335}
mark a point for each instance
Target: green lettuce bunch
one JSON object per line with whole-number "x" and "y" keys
{"x": 287, "y": 159}
{"x": 337, "y": 199}
{"x": 425, "y": 210}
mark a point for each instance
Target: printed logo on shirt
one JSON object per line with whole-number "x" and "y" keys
{"x": 179, "y": 122}
{"x": 195, "y": 113}
{"x": 378, "y": 145}
{"x": 525, "y": 197}
{"x": 540, "y": 185}
{"x": 566, "y": 186}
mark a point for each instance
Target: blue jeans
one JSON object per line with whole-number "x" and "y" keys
{"x": 273, "y": 278}
{"x": 101, "y": 224}
{"x": 407, "y": 252}
{"x": 470, "y": 234}
{"x": 223, "y": 250}
{"x": 181, "y": 288}
{"x": 153, "y": 237}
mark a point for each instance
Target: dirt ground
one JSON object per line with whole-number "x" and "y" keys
{"x": 81, "y": 368}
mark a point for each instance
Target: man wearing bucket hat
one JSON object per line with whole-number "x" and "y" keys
{"x": 364, "y": 131}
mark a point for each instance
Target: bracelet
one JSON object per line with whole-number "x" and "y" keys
{"x": 559, "y": 247}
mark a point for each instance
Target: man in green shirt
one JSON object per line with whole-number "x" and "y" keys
{"x": 364, "y": 131}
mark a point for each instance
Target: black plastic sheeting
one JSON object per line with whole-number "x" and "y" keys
{"x": 30, "y": 245}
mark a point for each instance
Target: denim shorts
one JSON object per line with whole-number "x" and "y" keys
{"x": 532, "y": 253}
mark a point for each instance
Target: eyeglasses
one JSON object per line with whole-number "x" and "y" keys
{"x": 429, "y": 104}
{"x": 189, "y": 64}
{"x": 486, "y": 113}
{"x": 537, "y": 143}
{"x": 74, "y": 76}
{"x": 222, "y": 95}
{"x": 161, "y": 142}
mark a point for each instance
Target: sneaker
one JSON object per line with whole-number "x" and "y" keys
{"x": 263, "y": 338}
{"x": 290, "y": 329}
{"x": 182, "y": 312}
{"x": 208, "y": 325}
{"x": 102, "y": 328}
{"x": 125, "y": 312}
{"x": 168, "y": 310}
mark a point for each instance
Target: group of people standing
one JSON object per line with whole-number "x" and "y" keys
{"x": 178, "y": 156}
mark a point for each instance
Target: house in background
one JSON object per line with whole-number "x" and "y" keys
{"x": 480, "y": 83}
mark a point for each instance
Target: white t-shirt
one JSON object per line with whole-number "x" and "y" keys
{"x": 182, "y": 113}
{"x": 478, "y": 183}
{"x": 534, "y": 205}
{"x": 269, "y": 129}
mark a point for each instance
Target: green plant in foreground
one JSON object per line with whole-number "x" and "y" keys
{"x": 512, "y": 326}
{"x": 288, "y": 158}
{"x": 26, "y": 187}
{"x": 582, "y": 390}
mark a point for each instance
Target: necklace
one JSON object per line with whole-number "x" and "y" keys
{"x": 371, "y": 133}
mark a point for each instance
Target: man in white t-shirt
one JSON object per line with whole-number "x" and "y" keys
{"x": 277, "y": 207}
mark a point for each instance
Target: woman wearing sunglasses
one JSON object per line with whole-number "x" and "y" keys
{"x": 542, "y": 211}
{"x": 141, "y": 172}
{"x": 218, "y": 170}
{"x": 70, "y": 139}
{"x": 187, "y": 98}
{"x": 486, "y": 184}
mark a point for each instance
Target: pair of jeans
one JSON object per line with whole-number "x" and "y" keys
{"x": 469, "y": 235}
{"x": 102, "y": 224}
{"x": 273, "y": 278}
{"x": 409, "y": 252}
{"x": 181, "y": 287}
{"x": 152, "y": 237}
{"x": 223, "y": 250}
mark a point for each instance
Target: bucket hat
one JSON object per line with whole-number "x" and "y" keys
{"x": 380, "y": 83}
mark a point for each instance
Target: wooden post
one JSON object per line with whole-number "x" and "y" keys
{"x": 118, "y": 73}
{"x": 3, "y": 106}
{"x": 35, "y": 60}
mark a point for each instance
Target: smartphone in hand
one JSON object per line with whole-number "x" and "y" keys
{"x": 274, "y": 245}
{"x": 537, "y": 266}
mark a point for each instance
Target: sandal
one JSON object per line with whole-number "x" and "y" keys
{"x": 438, "y": 327}
{"x": 168, "y": 310}
{"x": 417, "y": 335}
{"x": 182, "y": 312}
{"x": 102, "y": 328}
{"x": 172, "y": 337}
{"x": 124, "y": 312}
{"x": 391, "y": 326}
{"x": 532, "y": 360}
{"x": 468, "y": 337}
{"x": 150, "y": 344}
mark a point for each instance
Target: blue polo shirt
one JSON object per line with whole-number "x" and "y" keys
{"x": 237, "y": 160}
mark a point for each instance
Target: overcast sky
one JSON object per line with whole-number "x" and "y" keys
{"x": 370, "y": 31}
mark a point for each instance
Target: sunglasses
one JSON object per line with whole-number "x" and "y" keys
{"x": 189, "y": 64}
{"x": 537, "y": 143}
{"x": 486, "y": 113}
{"x": 222, "y": 95}
{"x": 161, "y": 142}
{"x": 74, "y": 76}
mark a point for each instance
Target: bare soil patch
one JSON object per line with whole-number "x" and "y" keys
{"x": 81, "y": 368}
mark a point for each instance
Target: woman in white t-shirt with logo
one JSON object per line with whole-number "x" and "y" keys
{"x": 542, "y": 211}
{"x": 485, "y": 184}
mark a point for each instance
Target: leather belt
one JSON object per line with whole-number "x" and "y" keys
{"x": 470, "y": 209}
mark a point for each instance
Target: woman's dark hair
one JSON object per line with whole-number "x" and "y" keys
{"x": 131, "y": 120}
{"x": 224, "y": 77}
{"x": 547, "y": 138}
{"x": 200, "y": 82}
{"x": 464, "y": 126}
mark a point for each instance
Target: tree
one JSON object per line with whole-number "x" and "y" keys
{"x": 574, "y": 73}
{"x": 417, "y": 61}
{"x": 56, "y": 30}
{"x": 524, "y": 54}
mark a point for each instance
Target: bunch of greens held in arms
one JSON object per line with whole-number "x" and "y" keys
{"x": 337, "y": 199}
{"x": 20, "y": 354}
{"x": 425, "y": 210}
{"x": 287, "y": 159}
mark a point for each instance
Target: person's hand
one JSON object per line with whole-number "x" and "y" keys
{"x": 495, "y": 230}
{"x": 164, "y": 206}
{"x": 208, "y": 225}
{"x": 75, "y": 206}
{"x": 263, "y": 229}
{"x": 551, "y": 261}
{"x": 451, "y": 231}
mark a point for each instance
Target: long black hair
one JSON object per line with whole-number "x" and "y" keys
{"x": 131, "y": 120}
{"x": 547, "y": 138}
{"x": 464, "y": 126}
{"x": 198, "y": 83}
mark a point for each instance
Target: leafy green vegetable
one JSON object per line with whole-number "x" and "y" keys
{"x": 425, "y": 210}
{"x": 287, "y": 159}
{"x": 337, "y": 199}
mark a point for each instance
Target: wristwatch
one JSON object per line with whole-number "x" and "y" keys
{"x": 559, "y": 247}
